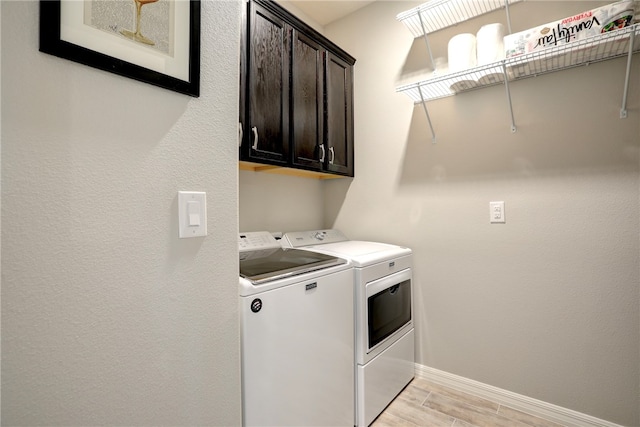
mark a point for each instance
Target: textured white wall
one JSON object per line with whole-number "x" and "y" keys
{"x": 546, "y": 305}
{"x": 107, "y": 317}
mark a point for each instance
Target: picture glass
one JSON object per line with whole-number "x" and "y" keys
{"x": 153, "y": 34}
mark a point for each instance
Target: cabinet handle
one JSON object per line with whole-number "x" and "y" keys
{"x": 255, "y": 138}
{"x": 333, "y": 155}
{"x": 240, "y": 134}
{"x": 322, "y": 150}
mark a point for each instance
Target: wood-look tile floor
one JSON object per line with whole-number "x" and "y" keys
{"x": 426, "y": 404}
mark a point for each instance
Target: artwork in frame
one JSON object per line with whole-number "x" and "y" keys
{"x": 153, "y": 41}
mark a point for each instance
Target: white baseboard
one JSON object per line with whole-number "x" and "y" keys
{"x": 532, "y": 406}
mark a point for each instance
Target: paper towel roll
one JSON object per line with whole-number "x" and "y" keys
{"x": 490, "y": 44}
{"x": 462, "y": 52}
{"x": 489, "y": 77}
{"x": 460, "y": 84}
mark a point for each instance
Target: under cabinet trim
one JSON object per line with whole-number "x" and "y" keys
{"x": 279, "y": 170}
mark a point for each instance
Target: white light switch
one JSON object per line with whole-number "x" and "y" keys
{"x": 192, "y": 214}
{"x": 496, "y": 212}
{"x": 193, "y": 210}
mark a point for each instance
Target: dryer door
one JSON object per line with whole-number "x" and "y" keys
{"x": 387, "y": 309}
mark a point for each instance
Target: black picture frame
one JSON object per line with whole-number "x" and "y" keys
{"x": 51, "y": 43}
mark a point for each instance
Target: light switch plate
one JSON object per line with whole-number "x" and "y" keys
{"x": 192, "y": 214}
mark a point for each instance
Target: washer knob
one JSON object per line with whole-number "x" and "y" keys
{"x": 319, "y": 235}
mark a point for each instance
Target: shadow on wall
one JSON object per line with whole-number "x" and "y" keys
{"x": 567, "y": 122}
{"x": 417, "y": 66}
{"x": 338, "y": 189}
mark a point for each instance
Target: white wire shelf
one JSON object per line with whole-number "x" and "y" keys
{"x": 594, "y": 49}
{"x": 438, "y": 14}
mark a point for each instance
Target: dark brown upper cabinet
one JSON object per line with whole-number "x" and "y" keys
{"x": 307, "y": 82}
{"x": 296, "y": 101}
{"x": 339, "y": 115}
{"x": 266, "y": 132}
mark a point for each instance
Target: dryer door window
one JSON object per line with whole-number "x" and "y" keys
{"x": 388, "y": 310}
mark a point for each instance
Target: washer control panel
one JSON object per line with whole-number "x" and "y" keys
{"x": 256, "y": 240}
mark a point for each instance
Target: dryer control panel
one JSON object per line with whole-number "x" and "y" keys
{"x": 298, "y": 239}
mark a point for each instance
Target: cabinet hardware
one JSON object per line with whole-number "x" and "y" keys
{"x": 255, "y": 138}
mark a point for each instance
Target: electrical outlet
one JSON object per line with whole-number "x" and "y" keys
{"x": 496, "y": 212}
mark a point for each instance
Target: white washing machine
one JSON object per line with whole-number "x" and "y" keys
{"x": 384, "y": 332}
{"x": 297, "y": 337}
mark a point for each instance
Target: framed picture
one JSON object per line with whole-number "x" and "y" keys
{"x": 153, "y": 41}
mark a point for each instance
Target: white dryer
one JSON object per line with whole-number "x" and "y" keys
{"x": 384, "y": 331}
{"x": 297, "y": 338}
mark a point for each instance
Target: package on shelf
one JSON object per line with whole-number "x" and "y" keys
{"x": 570, "y": 29}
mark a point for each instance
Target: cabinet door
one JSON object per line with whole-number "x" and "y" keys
{"x": 339, "y": 115}
{"x": 306, "y": 98}
{"x": 242, "y": 116}
{"x": 268, "y": 87}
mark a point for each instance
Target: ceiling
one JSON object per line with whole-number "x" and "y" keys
{"x": 327, "y": 11}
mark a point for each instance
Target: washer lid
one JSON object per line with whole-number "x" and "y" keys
{"x": 277, "y": 263}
